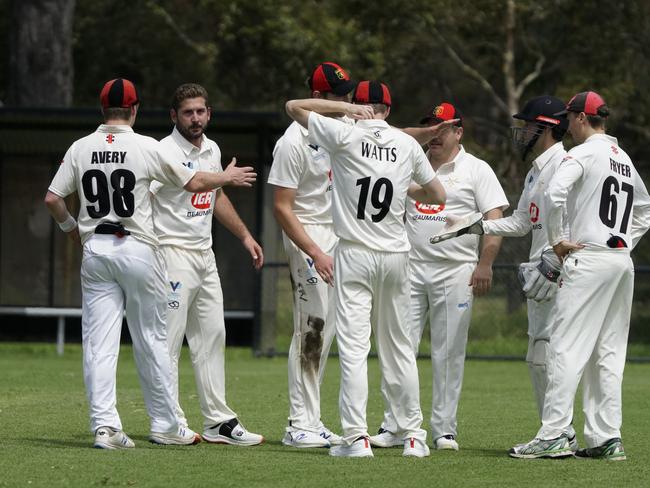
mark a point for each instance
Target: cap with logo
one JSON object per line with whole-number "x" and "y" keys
{"x": 331, "y": 78}
{"x": 588, "y": 102}
{"x": 372, "y": 92}
{"x": 119, "y": 93}
{"x": 545, "y": 110}
{"x": 441, "y": 113}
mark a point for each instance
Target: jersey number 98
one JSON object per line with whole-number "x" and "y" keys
{"x": 95, "y": 186}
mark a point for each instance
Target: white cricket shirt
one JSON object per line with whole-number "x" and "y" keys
{"x": 181, "y": 218}
{"x": 305, "y": 167}
{"x": 606, "y": 199}
{"x": 372, "y": 166}
{"x": 471, "y": 186}
{"x": 111, "y": 169}
{"x": 531, "y": 212}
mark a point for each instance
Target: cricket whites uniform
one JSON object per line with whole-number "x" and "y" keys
{"x": 530, "y": 216}
{"x": 112, "y": 169}
{"x": 608, "y": 210}
{"x": 440, "y": 279}
{"x": 372, "y": 166}
{"x": 305, "y": 167}
{"x": 183, "y": 223}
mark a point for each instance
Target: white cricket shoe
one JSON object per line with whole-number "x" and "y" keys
{"x": 359, "y": 448}
{"x": 181, "y": 437}
{"x": 540, "y": 448}
{"x": 233, "y": 433}
{"x": 446, "y": 442}
{"x": 415, "y": 448}
{"x": 304, "y": 439}
{"x": 385, "y": 438}
{"x": 334, "y": 439}
{"x": 108, "y": 438}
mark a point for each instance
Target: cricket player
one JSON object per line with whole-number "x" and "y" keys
{"x": 302, "y": 178}
{"x": 372, "y": 167}
{"x": 183, "y": 224}
{"x": 122, "y": 268}
{"x": 608, "y": 211}
{"x": 539, "y": 139}
{"x": 446, "y": 276}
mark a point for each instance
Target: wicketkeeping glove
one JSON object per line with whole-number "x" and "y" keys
{"x": 534, "y": 284}
{"x": 550, "y": 265}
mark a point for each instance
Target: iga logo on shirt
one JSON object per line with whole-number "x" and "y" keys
{"x": 429, "y": 208}
{"x": 202, "y": 200}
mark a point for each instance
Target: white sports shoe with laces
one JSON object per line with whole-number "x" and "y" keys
{"x": 108, "y": 438}
{"x": 232, "y": 433}
{"x": 304, "y": 439}
{"x": 415, "y": 448}
{"x": 184, "y": 436}
{"x": 385, "y": 438}
{"x": 359, "y": 448}
{"x": 446, "y": 442}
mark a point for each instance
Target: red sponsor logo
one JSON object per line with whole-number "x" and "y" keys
{"x": 329, "y": 175}
{"x": 533, "y": 210}
{"x": 202, "y": 200}
{"x": 429, "y": 208}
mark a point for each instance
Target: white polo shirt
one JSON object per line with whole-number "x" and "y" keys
{"x": 111, "y": 169}
{"x": 605, "y": 198}
{"x": 471, "y": 186}
{"x": 181, "y": 218}
{"x": 305, "y": 167}
{"x": 372, "y": 166}
{"x": 531, "y": 212}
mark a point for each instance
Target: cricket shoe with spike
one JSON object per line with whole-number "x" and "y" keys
{"x": 183, "y": 436}
{"x": 612, "y": 450}
{"x": 540, "y": 448}
{"x": 232, "y": 433}
{"x": 359, "y": 448}
{"x": 385, "y": 438}
{"x": 415, "y": 448}
{"x": 108, "y": 438}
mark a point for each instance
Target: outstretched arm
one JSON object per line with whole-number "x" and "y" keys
{"x": 225, "y": 213}
{"x": 299, "y": 110}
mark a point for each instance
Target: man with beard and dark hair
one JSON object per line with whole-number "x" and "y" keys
{"x": 183, "y": 223}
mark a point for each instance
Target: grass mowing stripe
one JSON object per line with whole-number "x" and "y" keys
{"x": 44, "y": 437}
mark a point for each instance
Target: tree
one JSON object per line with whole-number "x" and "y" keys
{"x": 40, "y": 54}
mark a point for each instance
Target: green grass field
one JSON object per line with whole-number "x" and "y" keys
{"x": 44, "y": 438}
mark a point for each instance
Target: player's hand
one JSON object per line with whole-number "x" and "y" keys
{"x": 563, "y": 248}
{"x": 481, "y": 280}
{"x": 359, "y": 112}
{"x": 255, "y": 250}
{"x": 324, "y": 265}
{"x": 239, "y": 176}
{"x": 438, "y": 129}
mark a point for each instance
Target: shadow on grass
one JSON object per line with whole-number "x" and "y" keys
{"x": 59, "y": 443}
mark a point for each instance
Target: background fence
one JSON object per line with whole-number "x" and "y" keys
{"x": 39, "y": 267}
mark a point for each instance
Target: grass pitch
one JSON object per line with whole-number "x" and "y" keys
{"x": 44, "y": 437}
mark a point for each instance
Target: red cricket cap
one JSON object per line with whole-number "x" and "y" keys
{"x": 588, "y": 102}
{"x": 372, "y": 92}
{"x": 330, "y": 77}
{"x": 119, "y": 93}
{"x": 440, "y": 113}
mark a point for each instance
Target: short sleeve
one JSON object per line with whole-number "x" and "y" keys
{"x": 64, "y": 182}
{"x": 422, "y": 171}
{"x": 287, "y": 166}
{"x": 489, "y": 193}
{"x": 327, "y": 132}
{"x": 165, "y": 171}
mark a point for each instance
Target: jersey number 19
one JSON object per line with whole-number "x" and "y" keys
{"x": 378, "y": 200}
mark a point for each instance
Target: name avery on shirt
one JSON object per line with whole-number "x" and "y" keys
{"x": 108, "y": 157}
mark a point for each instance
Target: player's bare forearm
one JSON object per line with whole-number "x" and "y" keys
{"x": 225, "y": 213}
{"x": 283, "y": 211}
{"x": 424, "y": 134}
{"x": 490, "y": 245}
{"x": 233, "y": 175}
{"x": 431, "y": 193}
{"x": 57, "y": 207}
{"x": 299, "y": 110}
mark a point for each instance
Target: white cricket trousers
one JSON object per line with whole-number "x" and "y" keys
{"x": 195, "y": 310}
{"x": 119, "y": 274}
{"x": 589, "y": 341}
{"x": 313, "y": 329}
{"x": 372, "y": 287}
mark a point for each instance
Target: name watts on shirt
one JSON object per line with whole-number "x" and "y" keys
{"x": 388, "y": 154}
{"x": 620, "y": 168}
{"x": 106, "y": 157}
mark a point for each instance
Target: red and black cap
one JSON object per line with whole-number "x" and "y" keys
{"x": 371, "y": 92}
{"x": 440, "y": 113}
{"x": 546, "y": 110}
{"x": 330, "y": 77}
{"x": 119, "y": 93}
{"x": 588, "y": 102}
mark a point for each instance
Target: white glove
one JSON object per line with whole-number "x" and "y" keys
{"x": 535, "y": 285}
